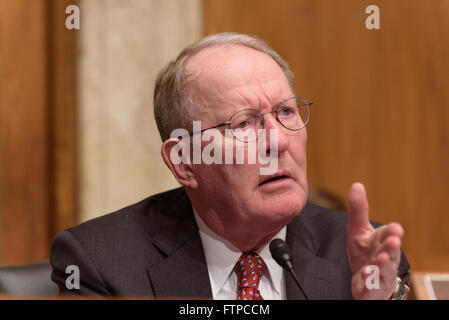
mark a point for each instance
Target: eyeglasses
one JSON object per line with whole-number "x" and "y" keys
{"x": 292, "y": 113}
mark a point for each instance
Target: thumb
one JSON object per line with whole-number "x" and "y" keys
{"x": 358, "y": 207}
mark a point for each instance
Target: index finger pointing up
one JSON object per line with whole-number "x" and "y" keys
{"x": 358, "y": 207}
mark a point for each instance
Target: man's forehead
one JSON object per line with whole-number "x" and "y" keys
{"x": 220, "y": 69}
{"x": 231, "y": 64}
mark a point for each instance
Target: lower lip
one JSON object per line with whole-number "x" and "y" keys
{"x": 275, "y": 184}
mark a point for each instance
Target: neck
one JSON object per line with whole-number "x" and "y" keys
{"x": 244, "y": 241}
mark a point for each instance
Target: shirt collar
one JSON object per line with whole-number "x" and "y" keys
{"x": 221, "y": 257}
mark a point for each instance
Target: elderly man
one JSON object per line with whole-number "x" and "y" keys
{"x": 210, "y": 237}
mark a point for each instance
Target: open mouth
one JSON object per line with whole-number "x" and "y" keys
{"x": 274, "y": 179}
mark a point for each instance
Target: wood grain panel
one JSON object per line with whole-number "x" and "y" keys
{"x": 380, "y": 113}
{"x": 37, "y": 127}
{"x": 24, "y": 132}
{"x": 63, "y": 55}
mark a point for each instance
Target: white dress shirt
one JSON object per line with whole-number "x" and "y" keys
{"x": 221, "y": 257}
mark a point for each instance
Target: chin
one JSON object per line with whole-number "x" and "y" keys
{"x": 291, "y": 201}
{"x": 281, "y": 211}
{"x": 288, "y": 210}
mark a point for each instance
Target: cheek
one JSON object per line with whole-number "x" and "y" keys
{"x": 226, "y": 178}
{"x": 298, "y": 154}
{"x": 298, "y": 150}
{"x": 208, "y": 176}
{"x": 227, "y": 170}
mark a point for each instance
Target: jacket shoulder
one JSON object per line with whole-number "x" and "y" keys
{"x": 141, "y": 215}
{"x": 115, "y": 247}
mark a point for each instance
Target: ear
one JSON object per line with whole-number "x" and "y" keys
{"x": 180, "y": 166}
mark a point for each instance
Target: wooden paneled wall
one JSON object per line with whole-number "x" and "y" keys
{"x": 381, "y": 104}
{"x": 37, "y": 127}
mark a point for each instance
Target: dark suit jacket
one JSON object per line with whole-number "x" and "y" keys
{"x": 153, "y": 249}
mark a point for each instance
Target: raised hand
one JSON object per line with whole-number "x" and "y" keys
{"x": 367, "y": 246}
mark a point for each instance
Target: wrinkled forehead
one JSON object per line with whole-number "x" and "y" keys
{"x": 218, "y": 71}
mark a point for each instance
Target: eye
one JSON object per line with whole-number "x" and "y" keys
{"x": 285, "y": 111}
{"x": 242, "y": 124}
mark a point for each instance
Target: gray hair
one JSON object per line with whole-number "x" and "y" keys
{"x": 173, "y": 105}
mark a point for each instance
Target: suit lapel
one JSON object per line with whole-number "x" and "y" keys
{"x": 320, "y": 278}
{"x": 181, "y": 272}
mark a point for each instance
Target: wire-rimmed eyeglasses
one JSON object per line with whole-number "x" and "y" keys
{"x": 292, "y": 113}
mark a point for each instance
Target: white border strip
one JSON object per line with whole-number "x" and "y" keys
{"x": 428, "y": 278}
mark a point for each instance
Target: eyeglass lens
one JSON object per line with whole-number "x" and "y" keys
{"x": 293, "y": 114}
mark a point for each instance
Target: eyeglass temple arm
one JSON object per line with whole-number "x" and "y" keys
{"x": 218, "y": 125}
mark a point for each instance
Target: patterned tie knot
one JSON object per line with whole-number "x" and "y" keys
{"x": 249, "y": 270}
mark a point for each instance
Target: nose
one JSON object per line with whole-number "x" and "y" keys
{"x": 271, "y": 123}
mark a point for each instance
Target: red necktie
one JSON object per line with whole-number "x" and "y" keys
{"x": 249, "y": 269}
